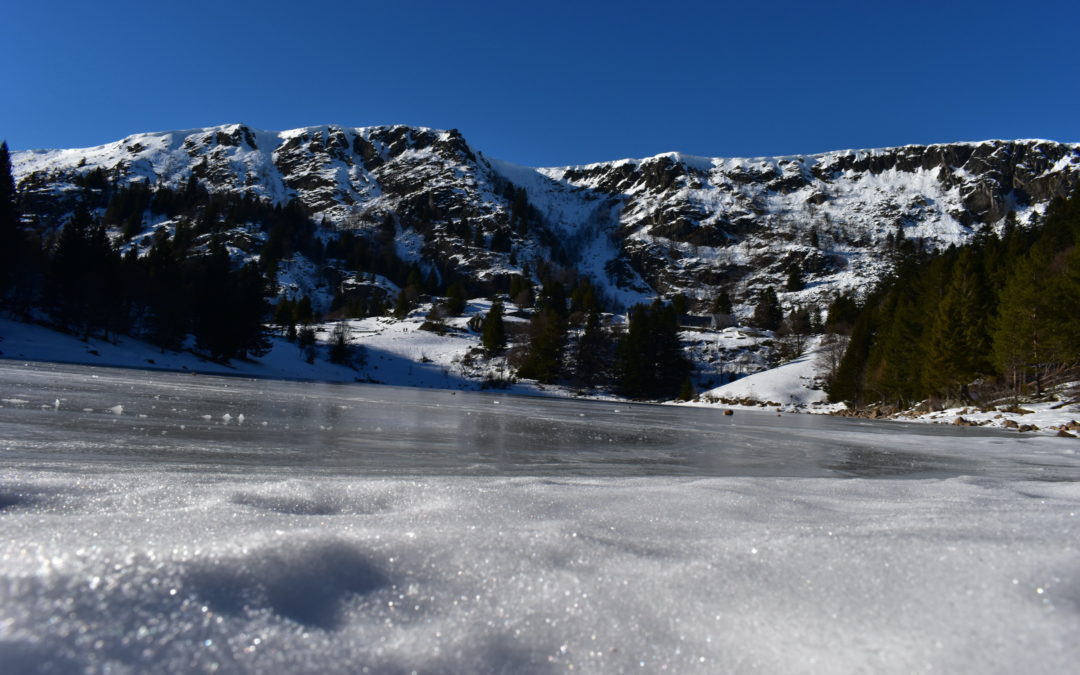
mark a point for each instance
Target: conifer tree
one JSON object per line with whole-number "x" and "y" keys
{"x": 1021, "y": 342}
{"x": 553, "y": 297}
{"x": 956, "y": 341}
{"x": 895, "y": 358}
{"x": 842, "y": 315}
{"x": 285, "y": 316}
{"x": 722, "y": 303}
{"x": 455, "y": 299}
{"x": 590, "y": 356}
{"x": 848, "y": 384}
{"x": 768, "y": 314}
{"x": 72, "y": 280}
{"x": 305, "y": 314}
{"x": 493, "y": 330}
{"x": 649, "y": 358}
{"x": 166, "y": 300}
{"x": 10, "y": 232}
{"x": 212, "y": 308}
{"x": 686, "y": 391}
{"x": 794, "y": 279}
{"x": 583, "y": 298}
{"x": 547, "y": 338}
{"x": 1067, "y": 291}
{"x": 249, "y": 292}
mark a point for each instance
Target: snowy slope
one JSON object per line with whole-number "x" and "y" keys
{"x": 791, "y": 386}
{"x": 661, "y": 225}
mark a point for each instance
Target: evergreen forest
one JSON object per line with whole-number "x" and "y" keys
{"x": 994, "y": 318}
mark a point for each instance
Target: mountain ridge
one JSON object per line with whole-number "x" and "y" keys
{"x": 676, "y": 154}
{"x": 664, "y": 225}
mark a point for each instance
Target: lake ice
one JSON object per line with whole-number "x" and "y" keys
{"x": 179, "y": 523}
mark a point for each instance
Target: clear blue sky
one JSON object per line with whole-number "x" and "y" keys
{"x": 552, "y": 82}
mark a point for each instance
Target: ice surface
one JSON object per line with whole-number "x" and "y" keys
{"x": 346, "y": 527}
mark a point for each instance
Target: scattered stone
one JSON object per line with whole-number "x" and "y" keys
{"x": 1073, "y": 426}
{"x": 1028, "y": 427}
{"x": 961, "y": 422}
{"x": 1010, "y": 424}
{"x": 1064, "y": 434}
{"x": 729, "y": 412}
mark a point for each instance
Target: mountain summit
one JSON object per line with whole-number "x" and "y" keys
{"x": 664, "y": 225}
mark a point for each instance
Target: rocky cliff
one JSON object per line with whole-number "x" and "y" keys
{"x": 663, "y": 225}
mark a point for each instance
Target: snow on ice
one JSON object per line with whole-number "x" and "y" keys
{"x": 353, "y": 527}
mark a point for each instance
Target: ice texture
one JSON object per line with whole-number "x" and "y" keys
{"x": 398, "y": 530}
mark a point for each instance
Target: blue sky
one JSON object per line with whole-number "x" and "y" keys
{"x": 549, "y": 83}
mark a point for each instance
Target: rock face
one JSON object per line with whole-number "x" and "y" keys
{"x": 662, "y": 225}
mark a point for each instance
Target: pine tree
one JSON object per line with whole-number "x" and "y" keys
{"x": 842, "y": 315}
{"x": 455, "y": 299}
{"x": 767, "y": 313}
{"x": 10, "y": 232}
{"x": 590, "y": 354}
{"x": 1067, "y": 292}
{"x": 553, "y": 297}
{"x": 249, "y": 291}
{"x": 722, "y": 303}
{"x": 583, "y": 298}
{"x": 649, "y": 359}
{"x": 894, "y": 364}
{"x": 848, "y": 385}
{"x": 680, "y": 303}
{"x": 71, "y": 280}
{"x": 1021, "y": 344}
{"x": 166, "y": 297}
{"x": 547, "y": 338}
{"x": 212, "y": 309}
{"x": 500, "y": 241}
{"x": 493, "y": 330}
{"x": 285, "y": 316}
{"x": 632, "y": 367}
{"x": 956, "y": 341}
{"x": 794, "y": 279}
{"x": 305, "y": 314}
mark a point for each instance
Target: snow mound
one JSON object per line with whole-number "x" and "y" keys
{"x": 790, "y": 385}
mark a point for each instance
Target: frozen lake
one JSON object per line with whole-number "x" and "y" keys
{"x": 172, "y": 522}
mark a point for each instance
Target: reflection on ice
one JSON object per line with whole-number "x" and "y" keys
{"x": 363, "y": 429}
{"x": 340, "y": 528}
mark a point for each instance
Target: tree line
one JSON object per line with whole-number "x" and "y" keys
{"x": 997, "y": 316}
{"x": 103, "y": 271}
{"x": 185, "y": 286}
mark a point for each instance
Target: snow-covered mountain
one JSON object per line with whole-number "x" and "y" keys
{"x": 661, "y": 225}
